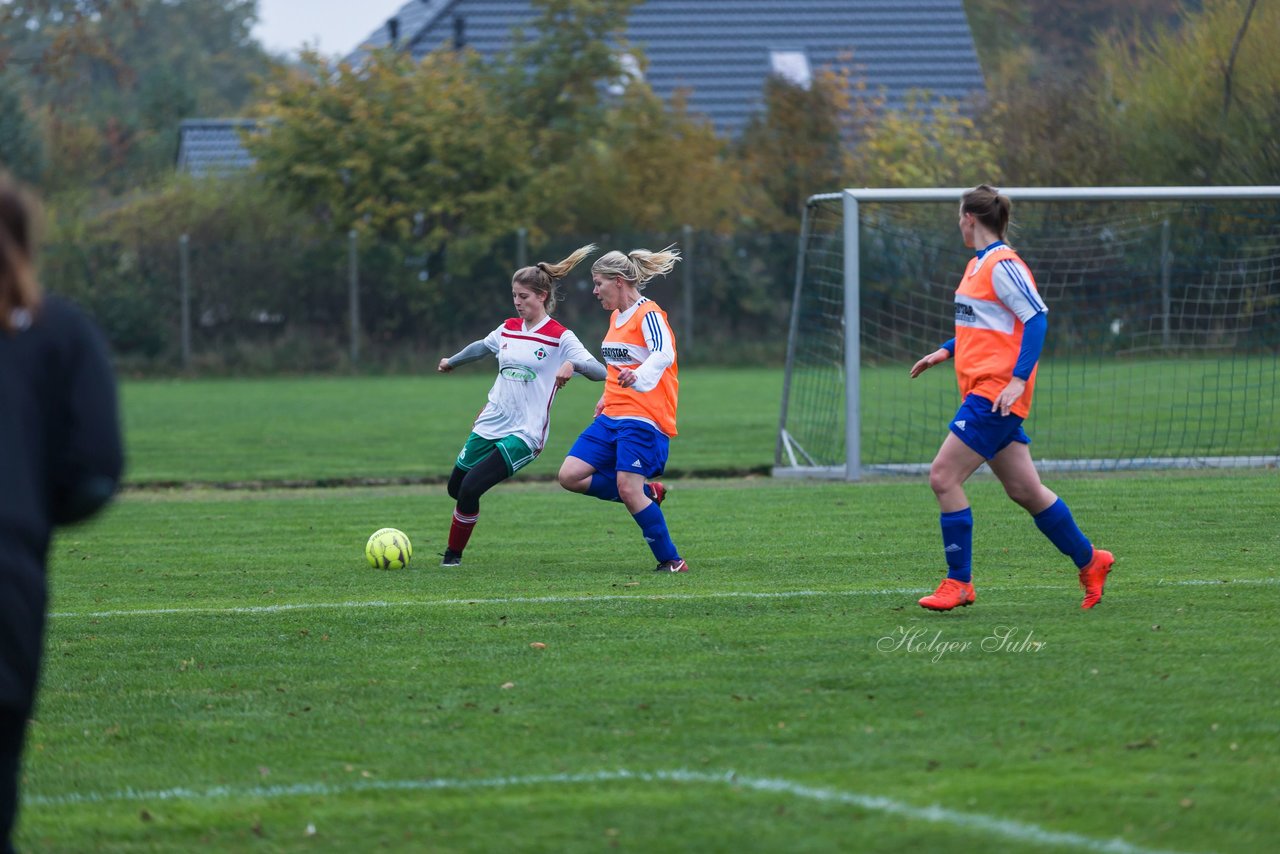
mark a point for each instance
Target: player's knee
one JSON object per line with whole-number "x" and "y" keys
{"x": 468, "y": 497}
{"x": 1026, "y": 496}
{"x": 569, "y": 478}
{"x": 630, "y": 490}
{"x": 940, "y": 480}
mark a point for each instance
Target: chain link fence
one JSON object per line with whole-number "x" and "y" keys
{"x": 286, "y": 301}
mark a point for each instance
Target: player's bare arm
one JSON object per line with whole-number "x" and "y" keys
{"x": 936, "y": 357}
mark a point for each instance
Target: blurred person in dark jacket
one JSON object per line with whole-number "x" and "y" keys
{"x": 60, "y": 461}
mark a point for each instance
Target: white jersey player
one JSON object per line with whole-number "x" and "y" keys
{"x": 537, "y": 355}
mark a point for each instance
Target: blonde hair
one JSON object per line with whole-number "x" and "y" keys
{"x": 638, "y": 266}
{"x": 19, "y": 290}
{"x": 542, "y": 277}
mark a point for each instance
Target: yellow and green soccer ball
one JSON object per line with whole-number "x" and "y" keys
{"x": 388, "y": 548}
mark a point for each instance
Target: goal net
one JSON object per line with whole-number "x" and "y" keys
{"x": 1163, "y": 348}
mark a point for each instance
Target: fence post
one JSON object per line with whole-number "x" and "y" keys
{"x": 184, "y": 297}
{"x": 1165, "y": 300}
{"x": 687, "y": 308}
{"x": 522, "y": 247}
{"x": 353, "y": 294}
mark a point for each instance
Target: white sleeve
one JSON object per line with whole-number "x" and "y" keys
{"x": 580, "y": 357}
{"x": 1012, "y": 282}
{"x": 662, "y": 352}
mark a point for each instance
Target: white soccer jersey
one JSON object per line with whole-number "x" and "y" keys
{"x": 520, "y": 400}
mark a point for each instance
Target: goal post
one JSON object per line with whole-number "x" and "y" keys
{"x": 1164, "y": 328}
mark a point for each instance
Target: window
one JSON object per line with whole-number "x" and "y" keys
{"x": 792, "y": 66}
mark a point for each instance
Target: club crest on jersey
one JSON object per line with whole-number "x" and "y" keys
{"x": 540, "y": 353}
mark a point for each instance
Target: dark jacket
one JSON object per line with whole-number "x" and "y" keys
{"x": 60, "y": 461}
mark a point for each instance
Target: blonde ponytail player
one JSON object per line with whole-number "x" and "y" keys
{"x": 629, "y": 439}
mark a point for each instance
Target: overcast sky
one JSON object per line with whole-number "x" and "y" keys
{"x": 334, "y": 26}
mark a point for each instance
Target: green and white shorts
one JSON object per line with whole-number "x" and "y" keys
{"x": 515, "y": 453}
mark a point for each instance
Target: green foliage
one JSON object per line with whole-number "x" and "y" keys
{"x": 552, "y": 79}
{"x": 928, "y": 143}
{"x": 607, "y": 155}
{"x": 1199, "y": 104}
{"x": 21, "y": 147}
{"x": 112, "y": 80}
{"x": 248, "y": 255}
{"x": 792, "y": 149}
{"x": 1045, "y": 127}
{"x": 395, "y": 148}
{"x": 649, "y": 167}
{"x": 1059, "y": 37}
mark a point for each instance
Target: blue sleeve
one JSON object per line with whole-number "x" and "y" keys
{"x": 1033, "y": 332}
{"x": 950, "y": 346}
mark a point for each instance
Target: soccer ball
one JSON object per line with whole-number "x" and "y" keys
{"x": 388, "y": 548}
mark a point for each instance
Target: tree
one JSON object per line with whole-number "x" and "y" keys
{"x": 396, "y": 149}
{"x": 21, "y": 149}
{"x": 1198, "y": 104}
{"x": 793, "y": 148}
{"x": 928, "y": 143}
{"x": 41, "y": 37}
{"x": 650, "y": 167}
{"x": 556, "y": 74}
{"x": 1047, "y": 130}
{"x": 112, "y": 80}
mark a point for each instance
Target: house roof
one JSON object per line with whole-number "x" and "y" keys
{"x": 213, "y": 147}
{"x": 721, "y": 51}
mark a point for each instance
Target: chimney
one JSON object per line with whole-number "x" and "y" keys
{"x": 393, "y": 30}
{"x": 459, "y": 32}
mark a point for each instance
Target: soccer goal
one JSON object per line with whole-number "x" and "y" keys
{"x": 1163, "y": 348}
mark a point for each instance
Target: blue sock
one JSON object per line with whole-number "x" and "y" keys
{"x": 1057, "y": 523}
{"x": 654, "y": 526}
{"x": 603, "y": 487}
{"x": 957, "y": 543}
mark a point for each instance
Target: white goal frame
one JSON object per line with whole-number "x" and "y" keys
{"x": 853, "y": 469}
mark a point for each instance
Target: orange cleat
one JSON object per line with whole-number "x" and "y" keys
{"x": 659, "y": 491}
{"x": 1094, "y": 576}
{"x": 950, "y": 594}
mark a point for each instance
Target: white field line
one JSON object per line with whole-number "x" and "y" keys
{"x": 604, "y": 597}
{"x": 991, "y": 825}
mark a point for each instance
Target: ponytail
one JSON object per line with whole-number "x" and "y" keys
{"x": 542, "y": 277}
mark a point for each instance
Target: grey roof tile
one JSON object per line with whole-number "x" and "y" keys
{"x": 720, "y": 49}
{"x": 213, "y": 147}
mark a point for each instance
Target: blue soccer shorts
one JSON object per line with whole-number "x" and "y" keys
{"x": 986, "y": 432}
{"x": 612, "y": 445}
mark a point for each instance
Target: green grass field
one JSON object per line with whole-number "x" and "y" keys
{"x": 331, "y": 429}
{"x": 225, "y": 674}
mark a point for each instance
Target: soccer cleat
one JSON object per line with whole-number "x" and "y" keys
{"x": 659, "y": 491}
{"x": 1094, "y": 576}
{"x": 451, "y": 558}
{"x": 677, "y": 565}
{"x": 950, "y": 594}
